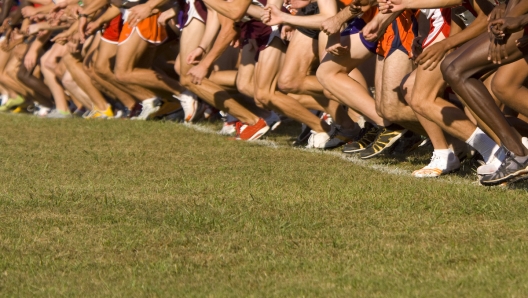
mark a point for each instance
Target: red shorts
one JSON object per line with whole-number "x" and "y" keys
{"x": 261, "y": 33}
{"x": 192, "y": 9}
{"x": 113, "y": 29}
{"x": 399, "y": 35}
{"x": 148, "y": 29}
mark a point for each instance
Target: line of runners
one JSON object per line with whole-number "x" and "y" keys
{"x": 450, "y": 70}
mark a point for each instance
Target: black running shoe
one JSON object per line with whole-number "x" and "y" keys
{"x": 511, "y": 168}
{"x": 365, "y": 138}
{"x": 384, "y": 141}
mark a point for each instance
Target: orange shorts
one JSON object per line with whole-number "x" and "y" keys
{"x": 399, "y": 35}
{"x": 148, "y": 29}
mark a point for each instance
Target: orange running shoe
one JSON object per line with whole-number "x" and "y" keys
{"x": 251, "y": 132}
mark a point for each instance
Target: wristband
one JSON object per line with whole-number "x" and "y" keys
{"x": 203, "y": 49}
{"x": 83, "y": 15}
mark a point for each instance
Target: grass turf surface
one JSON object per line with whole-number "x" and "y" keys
{"x": 124, "y": 208}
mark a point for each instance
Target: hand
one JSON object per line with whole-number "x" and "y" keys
{"x": 338, "y": 50}
{"x": 497, "y": 50}
{"x": 372, "y": 31}
{"x": 166, "y": 15}
{"x": 138, "y": 13}
{"x": 82, "y": 29}
{"x": 287, "y": 32}
{"x": 92, "y": 27}
{"x": 272, "y": 15}
{"x": 390, "y": 6}
{"x": 61, "y": 37}
{"x": 503, "y": 26}
{"x": 331, "y": 26}
{"x": 497, "y": 12}
{"x": 432, "y": 55}
{"x": 195, "y": 56}
{"x": 30, "y": 60}
{"x": 28, "y": 11}
{"x": 198, "y": 73}
{"x": 73, "y": 43}
{"x": 34, "y": 29}
{"x": 522, "y": 42}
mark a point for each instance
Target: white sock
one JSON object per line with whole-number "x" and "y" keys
{"x": 443, "y": 153}
{"x": 483, "y": 144}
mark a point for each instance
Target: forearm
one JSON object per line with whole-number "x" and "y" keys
{"x": 424, "y": 4}
{"x": 153, "y": 4}
{"x": 93, "y": 6}
{"x": 225, "y": 37}
{"x": 477, "y": 27}
{"x": 327, "y": 8}
{"x": 234, "y": 10}
{"x": 108, "y": 15}
{"x": 39, "y": 43}
{"x": 517, "y": 9}
{"x": 211, "y": 29}
{"x": 6, "y": 8}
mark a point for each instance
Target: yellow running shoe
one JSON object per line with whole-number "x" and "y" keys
{"x": 107, "y": 114}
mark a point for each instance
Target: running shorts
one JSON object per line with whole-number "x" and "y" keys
{"x": 356, "y": 25}
{"x": 192, "y": 9}
{"x": 261, "y": 33}
{"x": 148, "y": 29}
{"x": 112, "y": 31}
{"x": 439, "y": 22}
{"x": 399, "y": 35}
{"x": 309, "y": 10}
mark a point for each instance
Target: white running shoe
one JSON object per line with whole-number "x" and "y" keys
{"x": 493, "y": 165}
{"x": 229, "y": 128}
{"x": 438, "y": 166}
{"x": 318, "y": 140}
{"x": 191, "y": 105}
{"x": 149, "y": 107}
{"x": 273, "y": 121}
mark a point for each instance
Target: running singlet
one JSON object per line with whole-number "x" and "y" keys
{"x": 439, "y": 22}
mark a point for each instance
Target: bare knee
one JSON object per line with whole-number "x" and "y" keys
{"x": 121, "y": 76}
{"x": 263, "y": 96}
{"x": 288, "y": 84}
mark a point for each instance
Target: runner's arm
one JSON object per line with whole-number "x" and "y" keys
{"x": 388, "y": 6}
{"x": 225, "y": 37}
{"x": 92, "y": 6}
{"x": 234, "y": 10}
{"x": 327, "y": 8}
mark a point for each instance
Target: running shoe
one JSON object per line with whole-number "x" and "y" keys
{"x": 56, "y": 114}
{"x": 438, "y": 166}
{"x": 303, "y": 137}
{"x": 513, "y": 167}
{"x": 251, "y": 132}
{"x": 340, "y": 138}
{"x": 273, "y": 121}
{"x": 384, "y": 141}
{"x": 318, "y": 140}
{"x": 409, "y": 142}
{"x": 191, "y": 105}
{"x": 106, "y": 114}
{"x": 12, "y": 103}
{"x": 366, "y": 136}
{"x": 229, "y": 127}
{"x": 149, "y": 107}
{"x": 167, "y": 108}
{"x": 494, "y": 164}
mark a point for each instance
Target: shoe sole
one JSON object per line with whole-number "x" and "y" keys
{"x": 389, "y": 145}
{"x": 440, "y": 174}
{"x": 508, "y": 179}
{"x": 353, "y": 150}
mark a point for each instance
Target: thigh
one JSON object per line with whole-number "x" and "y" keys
{"x": 190, "y": 39}
{"x": 106, "y": 53}
{"x": 130, "y": 52}
{"x": 395, "y": 68}
{"x": 268, "y": 66}
{"x": 299, "y": 58}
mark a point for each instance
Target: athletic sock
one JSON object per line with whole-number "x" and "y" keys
{"x": 483, "y": 144}
{"x": 443, "y": 153}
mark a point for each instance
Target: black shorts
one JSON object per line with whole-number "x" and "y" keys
{"x": 309, "y": 10}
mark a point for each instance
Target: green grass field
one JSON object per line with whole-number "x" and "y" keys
{"x": 124, "y": 208}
